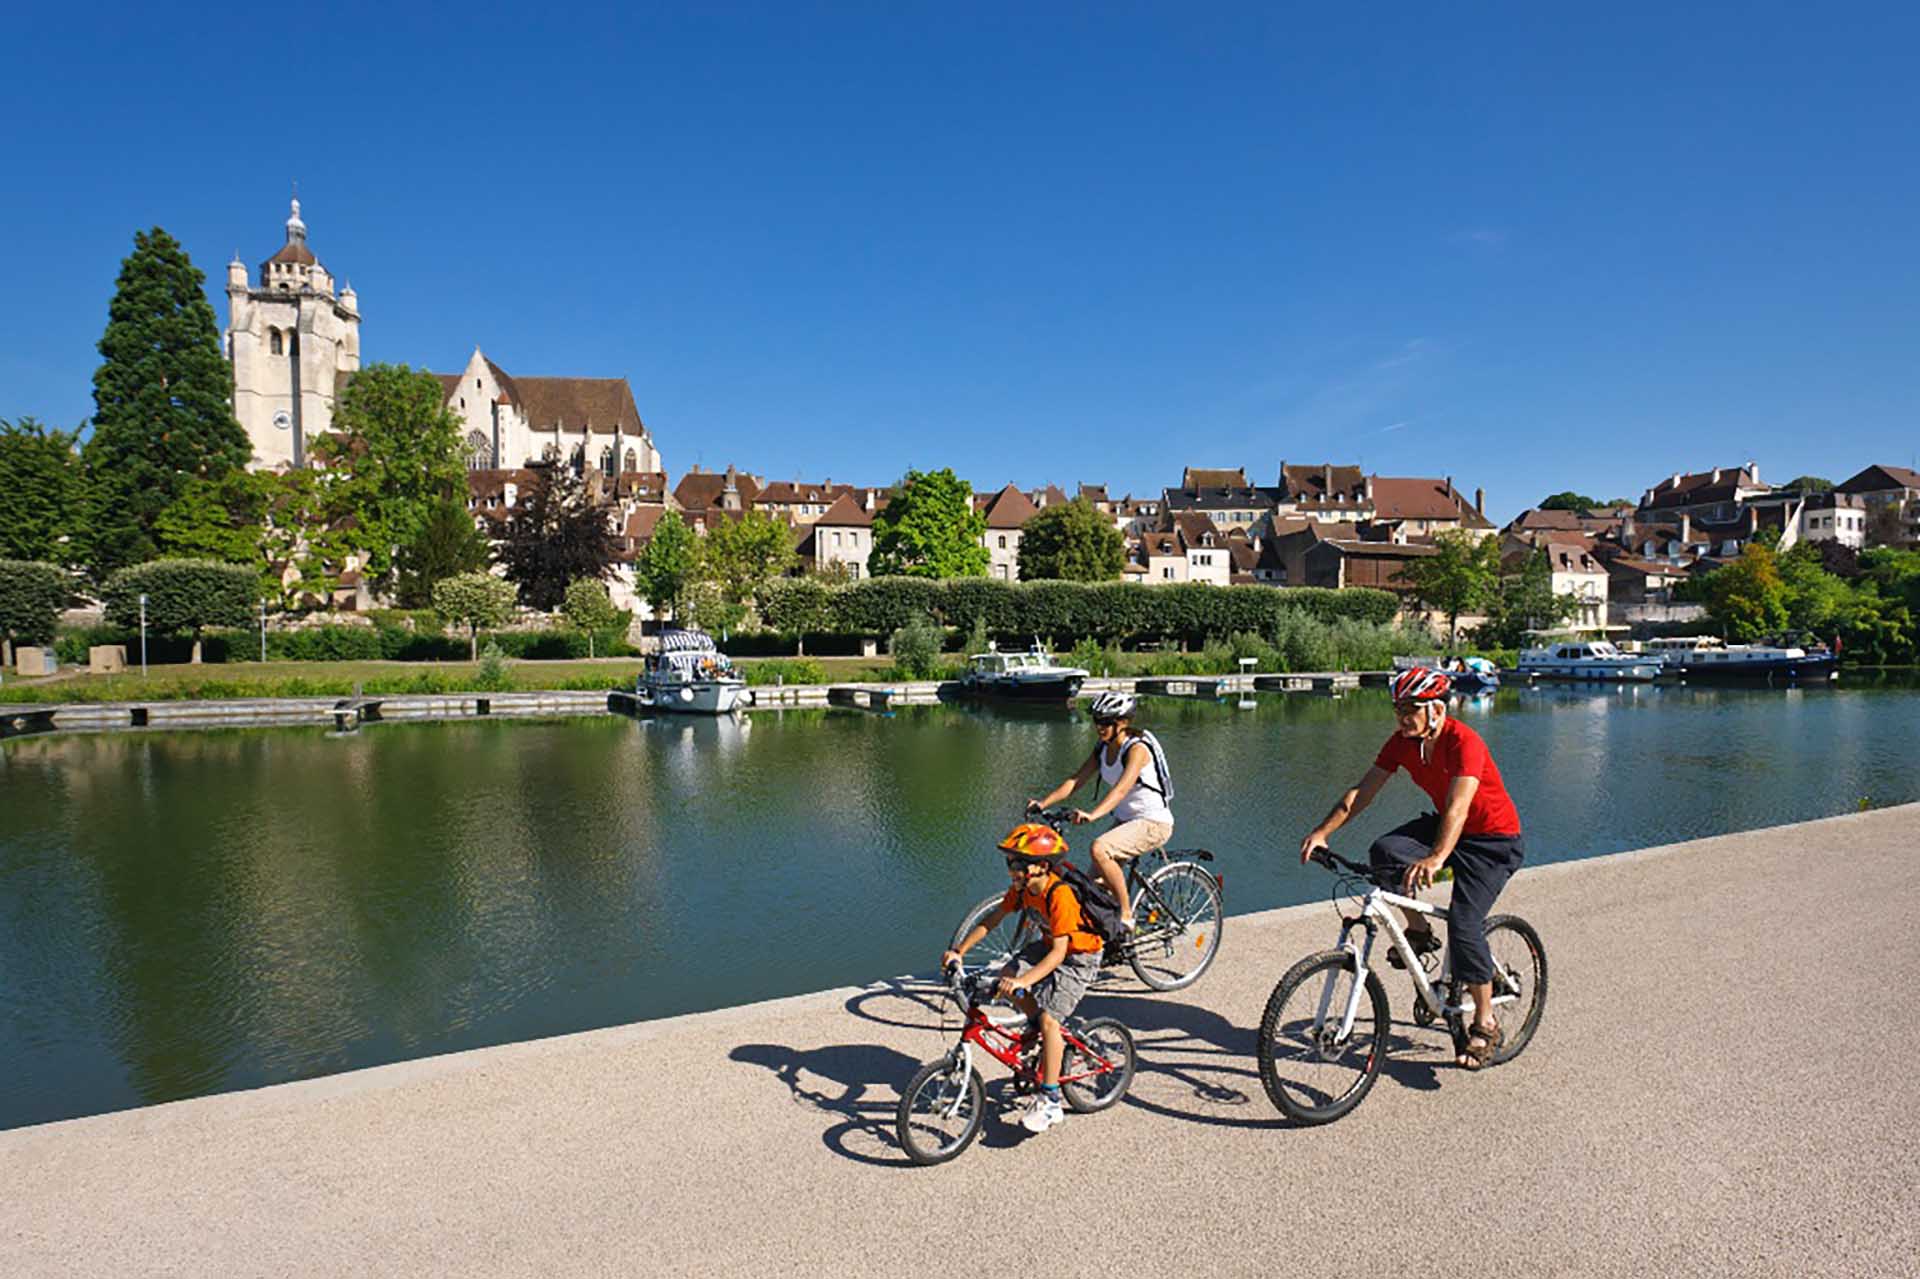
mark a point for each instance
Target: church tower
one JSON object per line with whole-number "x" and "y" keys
{"x": 293, "y": 343}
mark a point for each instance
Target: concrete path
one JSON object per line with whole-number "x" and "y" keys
{"x": 1726, "y": 1082}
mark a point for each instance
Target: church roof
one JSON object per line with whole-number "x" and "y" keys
{"x": 295, "y": 251}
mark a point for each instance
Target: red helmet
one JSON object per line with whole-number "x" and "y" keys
{"x": 1421, "y": 684}
{"x": 1034, "y": 841}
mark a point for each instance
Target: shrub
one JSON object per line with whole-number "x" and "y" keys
{"x": 31, "y": 596}
{"x": 182, "y": 595}
{"x": 799, "y": 670}
{"x": 915, "y": 648}
{"x": 492, "y": 676}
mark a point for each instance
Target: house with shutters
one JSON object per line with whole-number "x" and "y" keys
{"x": 838, "y": 540}
{"x": 1006, "y": 513}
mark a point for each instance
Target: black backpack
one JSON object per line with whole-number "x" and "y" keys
{"x": 1099, "y": 913}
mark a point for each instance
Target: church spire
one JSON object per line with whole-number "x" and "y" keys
{"x": 296, "y": 229}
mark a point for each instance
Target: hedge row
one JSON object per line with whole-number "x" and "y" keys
{"x": 1061, "y": 610}
{"x": 340, "y": 644}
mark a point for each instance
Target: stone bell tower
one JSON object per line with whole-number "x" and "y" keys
{"x": 293, "y": 342}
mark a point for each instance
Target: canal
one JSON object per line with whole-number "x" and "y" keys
{"x": 189, "y": 913}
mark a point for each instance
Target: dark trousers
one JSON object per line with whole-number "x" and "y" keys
{"x": 1481, "y": 866}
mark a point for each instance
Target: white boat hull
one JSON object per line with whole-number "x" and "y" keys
{"x": 698, "y": 697}
{"x": 1627, "y": 672}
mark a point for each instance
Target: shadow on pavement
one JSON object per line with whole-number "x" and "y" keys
{"x": 858, "y": 1083}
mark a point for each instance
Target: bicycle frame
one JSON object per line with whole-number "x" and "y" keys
{"x": 1375, "y": 915}
{"x": 999, "y": 1038}
{"x": 1140, "y": 887}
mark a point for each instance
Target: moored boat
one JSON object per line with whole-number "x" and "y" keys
{"x": 1032, "y": 676}
{"x": 1702, "y": 659}
{"x": 1587, "y": 660}
{"x": 690, "y": 675}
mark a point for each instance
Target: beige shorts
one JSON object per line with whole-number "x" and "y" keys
{"x": 1130, "y": 839}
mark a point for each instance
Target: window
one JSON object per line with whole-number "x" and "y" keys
{"x": 836, "y": 542}
{"x": 633, "y": 461}
{"x": 274, "y": 343}
{"x": 1167, "y": 572}
{"x": 1003, "y": 546}
{"x": 606, "y": 460}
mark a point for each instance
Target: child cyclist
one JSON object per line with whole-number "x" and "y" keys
{"x": 1059, "y": 968}
{"x": 1131, "y": 764}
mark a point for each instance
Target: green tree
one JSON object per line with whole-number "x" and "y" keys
{"x": 741, "y": 556}
{"x": 929, "y": 529}
{"x": 1815, "y": 598}
{"x": 393, "y": 456}
{"x": 915, "y": 648}
{"x": 474, "y": 600}
{"x": 1568, "y": 500}
{"x": 182, "y": 595}
{"x": 797, "y": 606}
{"x": 1746, "y": 597}
{"x": 1459, "y": 577}
{"x": 447, "y": 545}
{"x": 1074, "y": 542}
{"x": 40, "y": 490}
{"x": 667, "y": 569}
{"x": 589, "y": 608}
{"x": 1525, "y": 601}
{"x": 1808, "y": 484}
{"x": 31, "y": 597}
{"x": 162, "y": 399}
{"x": 555, "y": 536}
{"x": 218, "y": 519}
{"x": 304, "y": 534}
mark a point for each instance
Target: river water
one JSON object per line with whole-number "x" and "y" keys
{"x": 189, "y": 913}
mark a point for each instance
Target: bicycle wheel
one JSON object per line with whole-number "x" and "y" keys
{"x": 1176, "y": 923}
{"x": 1520, "y": 971}
{"x": 1310, "y": 1074}
{"x": 939, "y": 1114}
{"x": 1006, "y": 938}
{"x": 1114, "y": 1043}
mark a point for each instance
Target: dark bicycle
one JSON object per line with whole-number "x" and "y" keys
{"x": 1177, "y": 913}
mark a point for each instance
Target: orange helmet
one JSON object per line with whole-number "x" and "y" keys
{"x": 1034, "y": 841}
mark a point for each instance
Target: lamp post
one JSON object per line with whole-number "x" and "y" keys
{"x": 143, "y": 636}
{"x": 263, "y": 630}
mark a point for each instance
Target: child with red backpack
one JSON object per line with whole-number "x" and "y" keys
{"x": 1058, "y": 968}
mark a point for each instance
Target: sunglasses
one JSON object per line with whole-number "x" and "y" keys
{"x": 1021, "y": 864}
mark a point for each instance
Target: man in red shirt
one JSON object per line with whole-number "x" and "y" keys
{"x": 1474, "y": 826}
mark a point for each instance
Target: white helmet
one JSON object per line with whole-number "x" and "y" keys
{"x": 1113, "y": 705}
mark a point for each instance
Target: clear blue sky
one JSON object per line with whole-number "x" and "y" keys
{"x": 1529, "y": 247}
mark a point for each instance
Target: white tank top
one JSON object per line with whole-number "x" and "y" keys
{"x": 1141, "y": 803}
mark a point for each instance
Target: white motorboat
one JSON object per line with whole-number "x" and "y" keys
{"x": 1032, "y": 676}
{"x": 691, "y": 676}
{"x": 1708, "y": 659}
{"x": 1587, "y": 659}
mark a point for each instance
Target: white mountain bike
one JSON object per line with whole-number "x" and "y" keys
{"x": 1326, "y": 1028}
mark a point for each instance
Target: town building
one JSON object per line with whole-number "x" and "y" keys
{"x": 1327, "y": 493}
{"x": 1006, "y": 512}
{"x": 839, "y": 540}
{"x": 1413, "y": 507}
{"x": 292, "y": 342}
{"x": 1890, "y": 497}
{"x": 1715, "y": 495}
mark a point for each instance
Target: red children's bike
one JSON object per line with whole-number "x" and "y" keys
{"x": 942, "y": 1109}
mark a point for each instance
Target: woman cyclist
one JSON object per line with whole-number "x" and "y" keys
{"x": 1131, "y": 764}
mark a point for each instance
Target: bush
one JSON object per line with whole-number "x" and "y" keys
{"x": 492, "y": 676}
{"x": 799, "y": 670}
{"x": 915, "y": 648}
{"x": 31, "y": 597}
{"x": 182, "y": 595}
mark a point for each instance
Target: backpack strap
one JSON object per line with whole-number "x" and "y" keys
{"x": 1142, "y": 739}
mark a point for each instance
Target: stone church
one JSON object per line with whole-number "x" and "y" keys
{"x": 581, "y": 422}
{"x": 293, "y": 343}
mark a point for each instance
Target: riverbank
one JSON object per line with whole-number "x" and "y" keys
{"x": 1701, "y": 1099}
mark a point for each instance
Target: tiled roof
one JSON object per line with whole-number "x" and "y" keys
{"x": 1309, "y": 483}
{"x": 604, "y": 403}
{"x": 1095, "y": 493}
{"x": 643, "y": 484}
{"x": 1010, "y": 508}
{"x": 1879, "y": 478}
{"x": 1197, "y": 477}
{"x": 1194, "y": 528}
{"x": 484, "y": 483}
{"x": 1415, "y": 498}
{"x": 789, "y": 492}
{"x": 698, "y": 490}
{"x": 845, "y": 513}
{"x": 1537, "y": 519}
{"x": 295, "y": 251}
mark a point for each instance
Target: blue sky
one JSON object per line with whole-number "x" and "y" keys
{"x": 1530, "y": 249}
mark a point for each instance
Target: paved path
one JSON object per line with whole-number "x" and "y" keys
{"x": 1726, "y": 1083}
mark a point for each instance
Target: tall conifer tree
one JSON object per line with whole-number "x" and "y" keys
{"x": 163, "y": 401}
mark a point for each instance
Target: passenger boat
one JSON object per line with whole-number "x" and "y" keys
{"x": 1032, "y": 676}
{"x": 1469, "y": 675}
{"x": 1706, "y": 659}
{"x": 691, "y": 676}
{"x": 1587, "y": 659}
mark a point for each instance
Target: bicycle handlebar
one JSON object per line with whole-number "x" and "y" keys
{"x": 1054, "y": 817}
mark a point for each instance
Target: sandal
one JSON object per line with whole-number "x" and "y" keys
{"x": 1425, "y": 943}
{"x": 1482, "y": 1043}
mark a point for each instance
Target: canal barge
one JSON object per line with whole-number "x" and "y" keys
{"x": 1588, "y": 660}
{"x": 689, "y": 675}
{"x": 1032, "y": 676}
{"x": 1706, "y": 659}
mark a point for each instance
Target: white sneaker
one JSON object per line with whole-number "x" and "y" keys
{"x": 1042, "y": 1113}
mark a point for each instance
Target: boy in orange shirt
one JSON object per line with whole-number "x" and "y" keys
{"x": 1059, "y": 969}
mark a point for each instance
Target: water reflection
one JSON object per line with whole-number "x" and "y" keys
{"x": 183, "y": 913}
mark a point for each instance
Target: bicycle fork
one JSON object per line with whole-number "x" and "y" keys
{"x": 959, "y": 1068}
